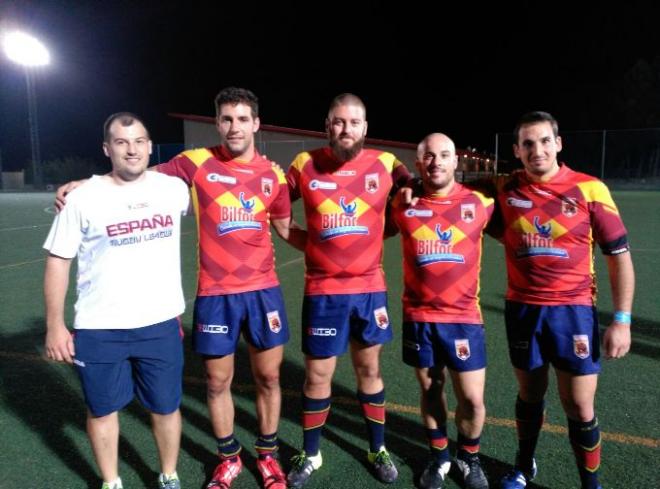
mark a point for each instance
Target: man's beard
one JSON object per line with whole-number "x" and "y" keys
{"x": 346, "y": 154}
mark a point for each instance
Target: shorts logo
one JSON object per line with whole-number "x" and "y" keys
{"x": 213, "y": 328}
{"x": 371, "y": 183}
{"x": 467, "y": 212}
{"x": 411, "y": 345}
{"x": 267, "y": 186}
{"x": 80, "y": 363}
{"x": 581, "y": 346}
{"x": 569, "y": 207}
{"x": 274, "y": 322}
{"x": 382, "y": 320}
{"x": 462, "y": 349}
{"x": 321, "y": 332}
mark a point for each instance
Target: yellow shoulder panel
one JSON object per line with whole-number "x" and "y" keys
{"x": 389, "y": 161}
{"x": 198, "y": 156}
{"x": 300, "y": 160}
{"x": 596, "y": 191}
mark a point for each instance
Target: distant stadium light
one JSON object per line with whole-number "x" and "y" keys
{"x": 25, "y": 50}
{"x": 30, "y": 53}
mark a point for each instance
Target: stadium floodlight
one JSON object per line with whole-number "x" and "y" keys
{"x": 29, "y": 52}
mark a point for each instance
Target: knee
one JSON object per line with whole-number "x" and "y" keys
{"x": 473, "y": 407}
{"x": 579, "y": 411}
{"x": 218, "y": 382}
{"x": 368, "y": 371}
{"x": 268, "y": 380}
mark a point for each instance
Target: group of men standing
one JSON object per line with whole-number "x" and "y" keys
{"x": 547, "y": 216}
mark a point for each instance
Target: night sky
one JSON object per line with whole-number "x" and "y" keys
{"x": 468, "y": 71}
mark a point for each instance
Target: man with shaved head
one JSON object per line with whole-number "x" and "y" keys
{"x": 443, "y": 327}
{"x": 344, "y": 188}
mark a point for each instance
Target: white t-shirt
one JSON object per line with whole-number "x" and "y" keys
{"x": 127, "y": 239}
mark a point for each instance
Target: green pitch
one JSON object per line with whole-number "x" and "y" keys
{"x": 42, "y": 416}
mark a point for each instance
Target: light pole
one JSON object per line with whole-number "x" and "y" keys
{"x": 30, "y": 53}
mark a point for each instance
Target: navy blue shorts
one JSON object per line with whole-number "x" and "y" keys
{"x": 115, "y": 365}
{"x": 329, "y": 321}
{"x": 460, "y": 347}
{"x": 219, "y": 320}
{"x": 564, "y": 336}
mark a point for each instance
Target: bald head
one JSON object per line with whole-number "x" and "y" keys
{"x": 434, "y": 140}
{"x": 436, "y": 163}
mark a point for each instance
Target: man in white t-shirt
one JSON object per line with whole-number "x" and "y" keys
{"x": 124, "y": 228}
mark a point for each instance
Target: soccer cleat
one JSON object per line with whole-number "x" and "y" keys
{"x": 434, "y": 474}
{"x": 116, "y": 484}
{"x": 225, "y": 473}
{"x": 473, "y": 475}
{"x": 171, "y": 482}
{"x": 382, "y": 465}
{"x": 271, "y": 472}
{"x": 517, "y": 479}
{"x": 302, "y": 466}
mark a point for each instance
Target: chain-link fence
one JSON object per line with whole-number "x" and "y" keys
{"x": 623, "y": 158}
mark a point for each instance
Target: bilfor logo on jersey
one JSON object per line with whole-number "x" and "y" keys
{"x": 274, "y": 322}
{"x": 540, "y": 243}
{"x": 462, "y": 348}
{"x": 371, "y": 183}
{"x": 382, "y": 319}
{"x": 342, "y": 223}
{"x": 581, "y": 346}
{"x": 437, "y": 250}
{"x": 234, "y": 218}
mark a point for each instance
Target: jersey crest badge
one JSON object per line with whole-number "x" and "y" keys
{"x": 274, "y": 322}
{"x": 462, "y": 348}
{"x": 267, "y": 186}
{"x": 467, "y": 212}
{"x": 371, "y": 183}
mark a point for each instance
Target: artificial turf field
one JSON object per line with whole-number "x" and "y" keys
{"x": 42, "y": 416}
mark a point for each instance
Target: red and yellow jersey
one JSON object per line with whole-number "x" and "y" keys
{"x": 345, "y": 207}
{"x": 234, "y": 202}
{"x": 441, "y": 240}
{"x": 549, "y": 232}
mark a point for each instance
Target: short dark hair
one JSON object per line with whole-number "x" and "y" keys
{"x": 533, "y": 118}
{"x": 234, "y": 96}
{"x": 347, "y": 99}
{"x": 125, "y": 119}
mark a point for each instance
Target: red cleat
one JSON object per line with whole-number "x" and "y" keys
{"x": 225, "y": 473}
{"x": 274, "y": 477}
